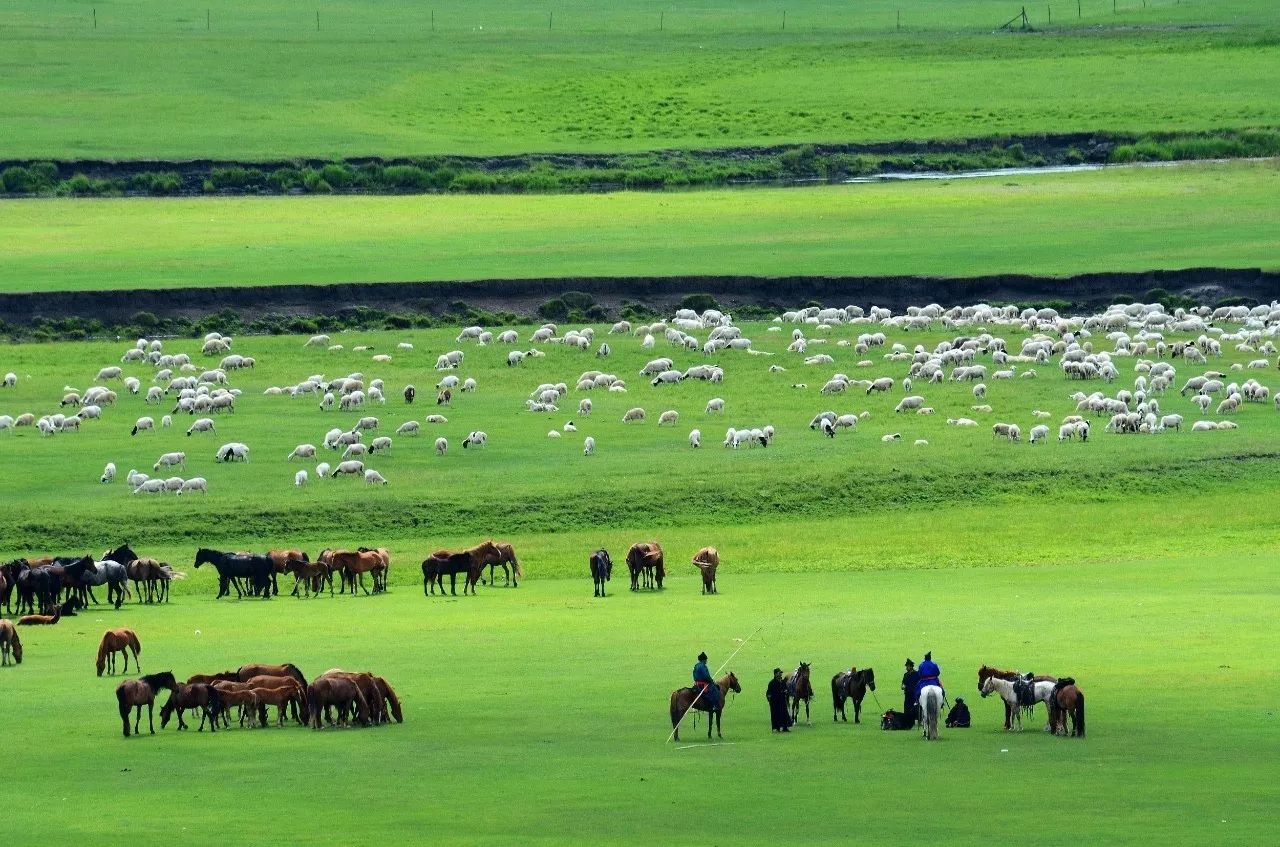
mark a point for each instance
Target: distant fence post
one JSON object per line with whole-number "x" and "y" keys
{"x": 550, "y": 17}
{"x": 1079, "y": 11}
{"x": 95, "y": 17}
{"x": 317, "y": 20}
{"x": 661, "y": 16}
{"x": 784, "y": 19}
{"x": 433, "y": 19}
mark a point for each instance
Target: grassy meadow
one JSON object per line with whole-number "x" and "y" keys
{"x": 154, "y": 80}
{"x": 538, "y": 714}
{"x": 1113, "y": 220}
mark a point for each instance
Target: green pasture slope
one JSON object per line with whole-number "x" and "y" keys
{"x": 1114, "y": 220}
{"x": 257, "y": 80}
{"x": 1142, "y": 565}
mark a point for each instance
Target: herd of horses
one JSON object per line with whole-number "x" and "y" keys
{"x": 645, "y": 561}
{"x": 335, "y": 698}
{"x": 54, "y": 586}
{"x": 1062, "y": 698}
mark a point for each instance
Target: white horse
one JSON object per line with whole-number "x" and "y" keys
{"x": 930, "y": 706}
{"x": 1042, "y": 690}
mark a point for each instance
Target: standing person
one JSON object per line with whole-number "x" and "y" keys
{"x": 703, "y": 682}
{"x": 910, "y": 684}
{"x": 776, "y": 694}
{"x": 929, "y": 674}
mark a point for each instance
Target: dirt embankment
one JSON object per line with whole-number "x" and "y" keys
{"x": 523, "y": 296}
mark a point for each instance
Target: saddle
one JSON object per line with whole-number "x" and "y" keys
{"x": 1024, "y": 689}
{"x": 1063, "y": 682}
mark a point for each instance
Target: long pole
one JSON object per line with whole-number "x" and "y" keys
{"x": 723, "y": 665}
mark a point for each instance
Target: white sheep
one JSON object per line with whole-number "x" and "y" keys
{"x": 150, "y": 486}
{"x": 636, "y": 414}
{"x": 201, "y": 425}
{"x": 891, "y": 436}
{"x": 478, "y": 438}
{"x": 569, "y": 427}
{"x": 715, "y": 404}
{"x": 381, "y": 444}
{"x": 584, "y": 407}
{"x": 695, "y": 438}
{"x": 234, "y": 451}
{"x": 588, "y": 446}
{"x": 668, "y": 417}
{"x": 920, "y": 442}
{"x": 134, "y": 478}
{"x": 300, "y": 478}
{"x": 351, "y": 467}
{"x": 436, "y": 419}
{"x": 10, "y": 379}
{"x": 980, "y": 391}
{"x": 108, "y": 473}
{"x": 166, "y": 421}
{"x": 356, "y": 449}
{"x": 1006, "y": 430}
{"x": 372, "y": 477}
{"x": 468, "y": 384}
{"x": 143, "y": 425}
{"x": 322, "y": 470}
{"x": 442, "y": 446}
{"x": 912, "y": 402}
{"x": 169, "y": 460}
{"x": 408, "y": 428}
{"x": 1039, "y": 433}
{"x": 555, "y": 433}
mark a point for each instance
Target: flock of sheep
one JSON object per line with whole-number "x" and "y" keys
{"x": 1092, "y": 349}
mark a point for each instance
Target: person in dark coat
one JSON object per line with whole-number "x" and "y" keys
{"x": 910, "y": 699}
{"x": 776, "y": 694}
{"x": 959, "y": 714}
{"x": 704, "y": 682}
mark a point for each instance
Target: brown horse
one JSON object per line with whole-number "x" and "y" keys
{"x": 309, "y": 577}
{"x": 247, "y": 672}
{"x": 136, "y": 693}
{"x": 389, "y": 696}
{"x": 240, "y": 694}
{"x": 799, "y": 688}
{"x": 442, "y": 562}
{"x": 1067, "y": 699}
{"x": 685, "y": 699}
{"x": 369, "y": 689}
{"x": 151, "y": 579}
{"x": 354, "y": 564}
{"x": 210, "y": 678}
{"x": 41, "y": 620}
{"x": 192, "y": 696}
{"x": 281, "y": 559}
{"x": 851, "y": 685}
{"x": 707, "y": 560}
{"x": 645, "y": 558}
{"x": 500, "y": 554}
{"x": 342, "y": 694}
{"x": 118, "y": 641}
{"x": 380, "y": 576}
{"x": 984, "y": 672}
{"x": 10, "y": 643}
{"x": 283, "y": 692}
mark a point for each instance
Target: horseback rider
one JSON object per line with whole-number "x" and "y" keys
{"x": 909, "y": 685}
{"x": 703, "y": 683}
{"x": 929, "y": 675}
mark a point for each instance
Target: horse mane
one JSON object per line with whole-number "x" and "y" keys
{"x": 295, "y": 672}
{"x": 155, "y": 680}
{"x": 1005, "y": 675}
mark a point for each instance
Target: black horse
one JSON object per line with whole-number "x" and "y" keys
{"x": 10, "y": 572}
{"x": 851, "y": 685}
{"x": 601, "y": 569}
{"x": 259, "y": 570}
{"x": 40, "y": 588}
{"x": 435, "y": 566}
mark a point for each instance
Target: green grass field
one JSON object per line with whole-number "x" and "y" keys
{"x": 152, "y": 82}
{"x": 1114, "y": 220}
{"x": 538, "y": 714}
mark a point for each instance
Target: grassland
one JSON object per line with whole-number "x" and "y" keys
{"x": 1115, "y": 220}
{"x": 537, "y": 715}
{"x": 152, "y": 82}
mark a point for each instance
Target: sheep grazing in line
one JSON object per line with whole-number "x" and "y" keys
{"x": 201, "y": 425}
{"x": 588, "y": 446}
{"x": 196, "y": 483}
{"x": 108, "y": 473}
{"x": 477, "y": 438}
{"x": 668, "y": 417}
{"x": 636, "y": 414}
{"x": 143, "y": 425}
{"x": 169, "y": 460}
{"x": 150, "y": 486}
{"x": 1006, "y": 430}
{"x": 442, "y": 446}
{"x": 351, "y": 467}
{"x": 372, "y": 477}
{"x": 234, "y": 451}
{"x": 300, "y": 478}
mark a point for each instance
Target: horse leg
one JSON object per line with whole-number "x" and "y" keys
{"x": 362, "y": 588}
{"x": 857, "y": 710}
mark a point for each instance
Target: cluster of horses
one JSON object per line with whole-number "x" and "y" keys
{"x": 471, "y": 563}
{"x": 54, "y": 586}
{"x": 257, "y": 574}
{"x": 848, "y": 686}
{"x": 646, "y": 563}
{"x": 1020, "y": 692}
{"x": 336, "y": 697}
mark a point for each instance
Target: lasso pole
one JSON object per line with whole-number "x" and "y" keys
{"x": 723, "y": 665}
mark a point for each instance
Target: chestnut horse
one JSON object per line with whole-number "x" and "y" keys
{"x": 341, "y": 693}
{"x": 281, "y": 558}
{"x": 42, "y": 620}
{"x": 1066, "y": 699}
{"x": 799, "y": 688}
{"x": 851, "y": 685}
{"x": 500, "y": 554}
{"x": 136, "y": 693}
{"x": 645, "y": 558}
{"x": 118, "y": 641}
{"x": 707, "y": 560}
{"x": 354, "y": 564}
{"x": 683, "y": 700}
{"x": 10, "y": 643}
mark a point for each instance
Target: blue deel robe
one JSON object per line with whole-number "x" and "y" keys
{"x": 702, "y": 674}
{"x": 930, "y": 674}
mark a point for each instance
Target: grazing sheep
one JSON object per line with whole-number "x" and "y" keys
{"x": 569, "y": 427}
{"x": 668, "y": 417}
{"x": 555, "y": 433}
{"x": 300, "y": 478}
{"x": 234, "y": 451}
{"x": 10, "y": 379}
{"x": 436, "y": 419}
{"x": 715, "y": 404}
{"x": 442, "y": 446}
{"x": 1006, "y": 430}
{"x": 356, "y": 449}
{"x": 372, "y": 477}
{"x": 408, "y": 428}
{"x": 112, "y": 372}
{"x": 150, "y": 486}
{"x": 1039, "y": 433}
{"x": 912, "y": 402}
{"x": 695, "y": 438}
{"x": 477, "y": 438}
{"x": 636, "y": 414}
{"x": 920, "y": 442}
{"x": 366, "y": 423}
{"x": 380, "y": 444}
{"x": 980, "y": 391}
{"x": 515, "y": 357}
{"x": 169, "y": 460}
{"x": 351, "y": 467}
{"x": 166, "y": 421}
{"x": 588, "y": 446}
{"x": 143, "y": 425}
{"x": 884, "y": 383}
{"x": 322, "y": 470}
{"x": 584, "y": 407}
{"x": 469, "y": 385}
{"x": 317, "y": 341}
{"x": 891, "y": 436}
{"x": 108, "y": 473}
{"x": 201, "y": 425}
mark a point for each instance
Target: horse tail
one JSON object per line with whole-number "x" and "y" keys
{"x": 515, "y": 563}
{"x": 134, "y": 642}
{"x": 931, "y": 714}
{"x": 1079, "y": 716}
{"x": 304, "y": 557}
{"x": 124, "y": 709}
{"x": 215, "y": 702}
{"x": 675, "y": 712}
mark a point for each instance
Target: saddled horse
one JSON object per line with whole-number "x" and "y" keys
{"x": 136, "y": 693}
{"x": 601, "y": 569}
{"x": 986, "y": 672}
{"x": 645, "y": 559}
{"x": 851, "y": 685}
{"x": 685, "y": 699}
{"x": 707, "y": 560}
{"x": 931, "y": 698}
{"x": 118, "y": 641}
{"x": 10, "y": 643}
{"x": 499, "y": 554}
{"x": 1066, "y": 699}
{"x": 258, "y": 569}
{"x": 1018, "y": 698}
{"x": 440, "y": 563}
{"x": 798, "y": 689}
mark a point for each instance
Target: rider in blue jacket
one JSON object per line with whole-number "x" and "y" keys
{"x": 702, "y": 680}
{"x": 930, "y": 674}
